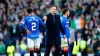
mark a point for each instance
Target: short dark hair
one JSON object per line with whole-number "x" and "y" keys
{"x": 52, "y": 6}
{"x": 29, "y": 10}
{"x": 34, "y": 10}
{"x": 65, "y": 10}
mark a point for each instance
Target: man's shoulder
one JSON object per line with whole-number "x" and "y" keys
{"x": 27, "y": 17}
{"x": 48, "y": 15}
{"x": 51, "y": 15}
{"x": 62, "y": 18}
{"x": 36, "y": 16}
{"x": 57, "y": 15}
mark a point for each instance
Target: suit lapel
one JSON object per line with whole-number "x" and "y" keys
{"x": 52, "y": 19}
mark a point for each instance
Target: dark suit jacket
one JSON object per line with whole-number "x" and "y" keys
{"x": 53, "y": 29}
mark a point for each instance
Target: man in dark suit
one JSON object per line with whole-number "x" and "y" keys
{"x": 53, "y": 25}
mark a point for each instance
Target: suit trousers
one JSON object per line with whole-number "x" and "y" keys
{"x": 56, "y": 52}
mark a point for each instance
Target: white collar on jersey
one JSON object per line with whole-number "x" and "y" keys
{"x": 64, "y": 16}
{"x": 31, "y": 14}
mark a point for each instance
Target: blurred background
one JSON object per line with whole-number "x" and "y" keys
{"x": 84, "y": 22}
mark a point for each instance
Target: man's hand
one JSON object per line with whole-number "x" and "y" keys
{"x": 64, "y": 36}
{"x": 28, "y": 32}
{"x": 70, "y": 40}
{"x": 45, "y": 18}
{"x": 98, "y": 48}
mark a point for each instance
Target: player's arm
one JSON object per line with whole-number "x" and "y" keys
{"x": 61, "y": 28}
{"x": 67, "y": 29}
{"x": 41, "y": 22}
{"x": 68, "y": 32}
{"x": 23, "y": 25}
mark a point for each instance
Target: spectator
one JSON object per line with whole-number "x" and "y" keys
{"x": 98, "y": 50}
{"x": 1, "y": 33}
{"x": 83, "y": 47}
{"x": 75, "y": 48}
{"x": 10, "y": 49}
{"x": 7, "y": 33}
{"x": 89, "y": 49}
{"x": 23, "y": 48}
{"x": 2, "y": 48}
{"x": 16, "y": 32}
{"x": 96, "y": 44}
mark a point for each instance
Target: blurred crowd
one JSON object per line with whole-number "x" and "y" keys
{"x": 84, "y": 20}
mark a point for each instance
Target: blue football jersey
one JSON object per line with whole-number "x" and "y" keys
{"x": 32, "y": 24}
{"x": 65, "y": 25}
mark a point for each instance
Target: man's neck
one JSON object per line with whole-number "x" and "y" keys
{"x": 31, "y": 14}
{"x": 52, "y": 14}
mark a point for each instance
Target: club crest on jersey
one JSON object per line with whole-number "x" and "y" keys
{"x": 67, "y": 22}
{"x": 22, "y": 21}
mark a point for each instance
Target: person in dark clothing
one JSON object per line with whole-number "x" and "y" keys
{"x": 16, "y": 32}
{"x": 96, "y": 47}
{"x": 85, "y": 32}
{"x": 53, "y": 26}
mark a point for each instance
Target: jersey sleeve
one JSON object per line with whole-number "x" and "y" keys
{"x": 41, "y": 22}
{"x": 67, "y": 29}
{"x": 61, "y": 26}
{"x": 22, "y": 23}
